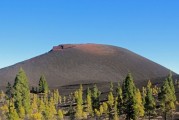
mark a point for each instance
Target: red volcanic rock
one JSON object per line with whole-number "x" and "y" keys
{"x": 56, "y": 48}
{"x": 96, "y": 49}
{"x": 61, "y": 47}
{"x": 89, "y": 48}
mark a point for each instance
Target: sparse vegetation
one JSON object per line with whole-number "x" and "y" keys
{"x": 124, "y": 101}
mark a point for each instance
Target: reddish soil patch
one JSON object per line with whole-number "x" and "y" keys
{"x": 95, "y": 49}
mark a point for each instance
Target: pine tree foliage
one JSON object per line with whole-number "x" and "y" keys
{"x": 71, "y": 112}
{"x": 172, "y": 87}
{"x": 116, "y": 115}
{"x": 36, "y": 116}
{"x": 60, "y": 115}
{"x": 95, "y": 98}
{"x": 129, "y": 100}
{"x": 79, "y": 112}
{"x": 43, "y": 86}
{"x": 4, "y": 110}
{"x": 41, "y": 105}
{"x": 166, "y": 99}
{"x": 111, "y": 86}
{"x": 9, "y": 91}
{"x": 3, "y": 96}
{"x": 89, "y": 102}
{"x": 139, "y": 104}
{"x": 50, "y": 110}
{"x": 110, "y": 99}
{"x": 12, "y": 114}
{"x": 143, "y": 95}
{"x": 56, "y": 96}
{"x": 34, "y": 103}
{"x": 149, "y": 101}
{"x": 21, "y": 112}
{"x": 101, "y": 110}
{"x": 119, "y": 100}
{"x": 79, "y": 100}
{"x": 105, "y": 108}
{"x": 21, "y": 92}
{"x": 97, "y": 114}
{"x": 110, "y": 104}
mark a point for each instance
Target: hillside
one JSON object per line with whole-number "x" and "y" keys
{"x": 71, "y": 64}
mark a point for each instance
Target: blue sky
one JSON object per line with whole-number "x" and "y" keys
{"x": 147, "y": 27}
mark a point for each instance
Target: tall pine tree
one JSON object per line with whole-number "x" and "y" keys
{"x": 21, "y": 92}
{"x": 119, "y": 100}
{"x": 149, "y": 101}
{"x": 43, "y": 85}
{"x": 139, "y": 104}
{"x": 167, "y": 104}
{"x": 129, "y": 100}
{"x": 172, "y": 87}
{"x": 79, "y": 100}
{"x": 89, "y": 102}
{"x": 95, "y": 98}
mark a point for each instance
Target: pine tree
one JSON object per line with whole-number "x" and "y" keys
{"x": 71, "y": 112}
{"x": 105, "y": 108}
{"x": 64, "y": 99}
{"x": 56, "y": 96}
{"x": 36, "y": 116}
{"x": 60, "y": 99}
{"x": 115, "y": 116}
{"x": 21, "y": 112}
{"x": 41, "y": 106}
{"x": 149, "y": 101}
{"x": 166, "y": 99}
{"x": 2, "y": 96}
{"x": 97, "y": 113}
{"x": 43, "y": 85}
{"x": 9, "y": 92}
{"x": 95, "y": 98}
{"x": 21, "y": 93}
{"x": 79, "y": 112}
{"x": 79, "y": 99}
{"x": 12, "y": 114}
{"x": 101, "y": 110}
{"x": 60, "y": 115}
{"x": 139, "y": 104}
{"x": 34, "y": 105}
{"x": 110, "y": 99}
{"x": 50, "y": 110}
{"x": 129, "y": 100}
{"x": 143, "y": 95}
{"x": 4, "y": 111}
{"x": 172, "y": 87}
{"x": 111, "y": 87}
{"x": 89, "y": 102}
{"x": 80, "y": 95}
{"x": 110, "y": 104}
{"x": 119, "y": 100}
{"x": 85, "y": 115}
{"x": 9, "y": 95}
{"x": 155, "y": 90}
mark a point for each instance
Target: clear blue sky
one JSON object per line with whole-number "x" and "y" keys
{"x": 148, "y": 27}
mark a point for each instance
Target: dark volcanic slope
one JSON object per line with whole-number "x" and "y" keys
{"x": 85, "y": 63}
